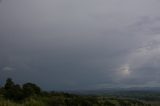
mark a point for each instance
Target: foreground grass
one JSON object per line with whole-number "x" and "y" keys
{"x": 31, "y": 102}
{"x": 61, "y": 99}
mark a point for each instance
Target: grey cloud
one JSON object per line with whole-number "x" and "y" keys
{"x": 79, "y": 44}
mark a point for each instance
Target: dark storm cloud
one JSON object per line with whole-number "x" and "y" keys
{"x": 80, "y": 44}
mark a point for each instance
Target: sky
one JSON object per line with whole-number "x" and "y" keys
{"x": 80, "y": 44}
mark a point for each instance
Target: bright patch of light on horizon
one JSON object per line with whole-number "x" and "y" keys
{"x": 125, "y": 70}
{"x": 149, "y": 51}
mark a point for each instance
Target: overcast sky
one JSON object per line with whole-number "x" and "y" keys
{"x": 80, "y": 44}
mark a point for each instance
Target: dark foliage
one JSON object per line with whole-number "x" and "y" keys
{"x": 30, "y": 89}
{"x": 15, "y": 92}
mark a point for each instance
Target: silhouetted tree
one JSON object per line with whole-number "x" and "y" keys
{"x": 9, "y": 84}
{"x": 31, "y": 89}
{"x": 12, "y": 91}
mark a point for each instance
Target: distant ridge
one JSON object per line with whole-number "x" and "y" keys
{"x": 117, "y": 90}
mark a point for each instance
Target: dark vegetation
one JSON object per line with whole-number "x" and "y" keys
{"x": 30, "y": 94}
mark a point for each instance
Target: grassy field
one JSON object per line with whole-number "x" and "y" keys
{"x": 64, "y": 99}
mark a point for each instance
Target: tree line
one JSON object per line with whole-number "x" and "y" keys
{"x": 18, "y": 92}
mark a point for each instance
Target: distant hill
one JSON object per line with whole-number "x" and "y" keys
{"x": 121, "y": 91}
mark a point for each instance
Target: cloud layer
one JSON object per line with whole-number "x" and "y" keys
{"x": 85, "y": 44}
